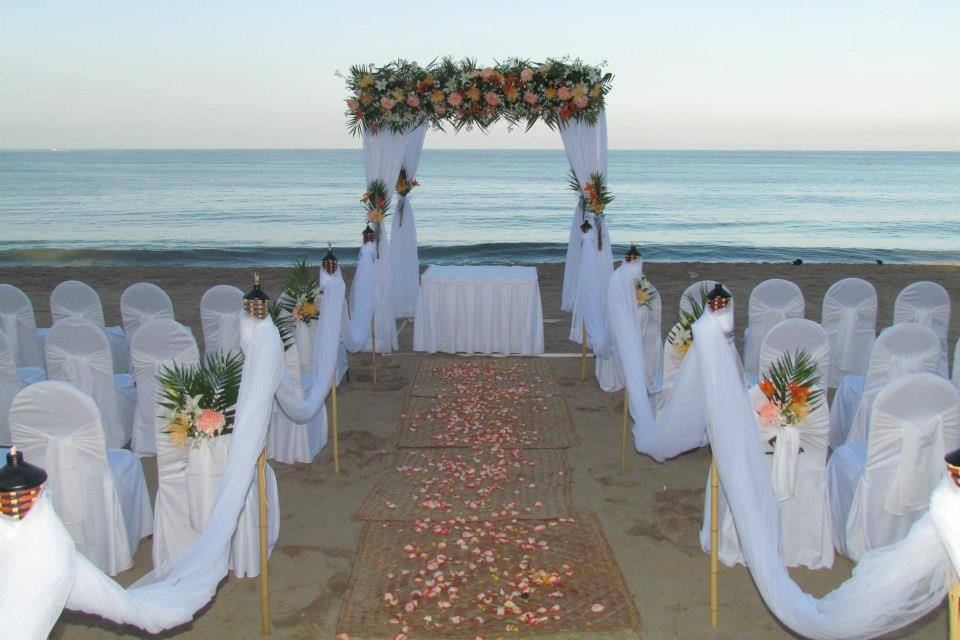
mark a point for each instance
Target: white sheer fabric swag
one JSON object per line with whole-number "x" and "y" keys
{"x": 404, "y": 259}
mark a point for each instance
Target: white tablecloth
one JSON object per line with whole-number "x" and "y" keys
{"x": 479, "y": 310}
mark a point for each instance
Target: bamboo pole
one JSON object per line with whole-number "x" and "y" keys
{"x": 583, "y": 352}
{"x": 714, "y": 543}
{"x": 953, "y": 610}
{"x": 373, "y": 343}
{"x": 264, "y": 560}
{"x": 623, "y": 433}
{"x": 336, "y": 426}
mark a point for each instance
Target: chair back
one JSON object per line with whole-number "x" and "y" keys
{"x": 849, "y": 316}
{"x": 220, "y": 309}
{"x": 19, "y": 324}
{"x": 926, "y": 303}
{"x": 10, "y": 386}
{"x": 75, "y": 299}
{"x": 771, "y": 302}
{"x": 142, "y": 302}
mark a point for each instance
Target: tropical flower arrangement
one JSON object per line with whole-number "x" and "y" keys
{"x": 595, "y": 197}
{"x": 403, "y": 95}
{"x": 404, "y": 186}
{"x": 200, "y": 401}
{"x": 645, "y": 293}
{"x": 681, "y": 333}
{"x": 789, "y": 389}
{"x": 376, "y": 202}
{"x": 300, "y": 296}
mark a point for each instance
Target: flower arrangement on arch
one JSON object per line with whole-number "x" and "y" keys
{"x": 681, "y": 333}
{"x": 376, "y": 202}
{"x": 300, "y": 296}
{"x": 645, "y": 293}
{"x": 200, "y": 400}
{"x": 405, "y": 185}
{"x": 789, "y": 388}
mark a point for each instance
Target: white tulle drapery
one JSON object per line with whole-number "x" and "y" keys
{"x": 404, "y": 259}
{"x": 586, "y": 148}
{"x": 383, "y": 155}
{"x": 355, "y": 324}
{"x": 589, "y": 307}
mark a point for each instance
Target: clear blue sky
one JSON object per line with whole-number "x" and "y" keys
{"x": 735, "y": 74}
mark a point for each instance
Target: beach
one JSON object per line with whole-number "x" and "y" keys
{"x": 650, "y": 515}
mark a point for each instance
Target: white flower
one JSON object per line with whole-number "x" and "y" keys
{"x": 380, "y": 85}
{"x": 192, "y": 406}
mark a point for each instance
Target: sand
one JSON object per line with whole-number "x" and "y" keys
{"x": 650, "y": 514}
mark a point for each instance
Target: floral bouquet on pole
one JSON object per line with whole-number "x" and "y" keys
{"x": 595, "y": 197}
{"x": 645, "y": 293}
{"x": 790, "y": 393}
{"x": 404, "y": 187}
{"x": 200, "y": 401}
{"x": 376, "y": 203}
{"x": 680, "y": 335}
{"x": 301, "y": 293}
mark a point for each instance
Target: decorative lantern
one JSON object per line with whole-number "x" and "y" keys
{"x": 20, "y": 485}
{"x": 953, "y": 465}
{"x": 586, "y": 226}
{"x": 632, "y": 255}
{"x": 256, "y": 302}
{"x": 719, "y": 298}
{"x": 369, "y": 235}
{"x": 329, "y": 262}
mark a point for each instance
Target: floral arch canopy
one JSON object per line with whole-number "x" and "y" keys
{"x": 402, "y": 95}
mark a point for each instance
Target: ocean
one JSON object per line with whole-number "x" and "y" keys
{"x": 268, "y": 207}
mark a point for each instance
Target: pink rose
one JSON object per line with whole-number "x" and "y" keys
{"x": 439, "y": 109}
{"x": 769, "y": 413}
{"x": 352, "y": 104}
{"x": 413, "y": 101}
{"x": 486, "y": 73}
{"x": 455, "y": 99}
{"x": 492, "y": 98}
{"x": 210, "y": 421}
{"x": 526, "y": 75}
{"x": 387, "y": 103}
{"x": 564, "y": 93}
{"x": 581, "y": 102}
{"x": 530, "y": 97}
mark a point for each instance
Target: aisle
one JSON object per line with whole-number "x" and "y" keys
{"x": 472, "y": 533}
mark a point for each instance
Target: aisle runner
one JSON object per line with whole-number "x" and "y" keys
{"x": 453, "y": 548}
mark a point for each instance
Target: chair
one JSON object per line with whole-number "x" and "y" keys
{"x": 141, "y": 302}
{"x": 289, "y": 441}
{"x": 879, "y": 488}
{"x": 805, "y": 532}
{"x": 900, "y": 349}
{"x": 771, "y": 301}
{"x": 164, "y": 342}
{"x": 849, "y": 316}
{"x": 78, "y": 353}
{"x": 75, "y": 299}
{"x": 100, "y": 494}
{"x": 926, "y": 303}
{"x": 20, "y": 326}
{"x": 10, "y": 385}
{"x": 220, "y": 309}
{"x": 955, "y": 376}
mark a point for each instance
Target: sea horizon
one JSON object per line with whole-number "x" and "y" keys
{"x": 260, "y": 206}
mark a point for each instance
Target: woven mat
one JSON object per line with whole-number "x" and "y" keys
{"x": 509, "y": 483}
{"x": 524, "y": 423}
{"x": 462, "y": 580}
{"x": 518, "y": 376}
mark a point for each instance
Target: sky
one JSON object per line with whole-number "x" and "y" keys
{"x": 765, "y": 74}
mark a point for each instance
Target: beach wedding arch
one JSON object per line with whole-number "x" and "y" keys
{"x": 390, "y": 108}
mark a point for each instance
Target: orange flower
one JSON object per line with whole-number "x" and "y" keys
{"x": 473, "y": 93}
{"x": 798, "y": 393}
{"x": 766, "y": 386}
{"x": 550, "y": 93}
{"x": 436, "y": 97}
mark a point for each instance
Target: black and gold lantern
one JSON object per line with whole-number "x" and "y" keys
{"x": 20, "y": 485}
{"x": 329, "y": 262}
{"x": 256, "y": 302}
{"x": 718, "y": 298}
{"x": 632, "y": 254}
{"x": 586, "y": 226}
{"x": 953, "y": 465}
{"x": 369, "y": 235}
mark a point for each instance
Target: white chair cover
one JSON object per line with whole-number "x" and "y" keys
{"x": 771, "y": 302}
{"x": 955, "y": 376}
{"x": 75, "y": 299}
{"x": 849, "y": 316}
{"x": 20, "y": 326}
{"x": 142, "y": 302}
{"x": 78, "y": 353}
{"x": 878, "y": 489}
{"x": 900, "y": 349}
{"x": 404, "y": 258}
{"x": 287, "y": 440}
{"x": 101, "y": 496}
{"x": 166, "y": 342}
{"x": 799, "y": 479}
{"x": 220, "y": 310}
{"x": 926, "y": 303}
{"x": 10, "y": 385}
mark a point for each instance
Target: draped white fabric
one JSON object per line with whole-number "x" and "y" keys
{"x": 586, "y": 148}
{"x": 355, "y": 327}
{"x": 75, "y": 299}
{"x": 849, "y": 316}
{"x": 383, "y": 155}
{"x": 771, "y": 301}
{"x": 142, "y": 302}
{"x": 404, "y": 258}
{"x": 220, "y": 310}
{"x": 58, "y": 427}
{"x": 479, "y": 310}
{"x": 78, "y": 352}
{"x": 926, "y": 303}
{"x": 878, "y": 489}
{"x": 289, "y": 441}
{"x": 10, "y": 385}
{"x": 955, "y": 375}
{"x": 161, "y": 343}
{"x": 589, "y": 306}
{"x": 19, "y": 324}
{"x": 900, "y": 349}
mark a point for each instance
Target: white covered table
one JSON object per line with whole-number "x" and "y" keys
{"x": 479, "y": 310}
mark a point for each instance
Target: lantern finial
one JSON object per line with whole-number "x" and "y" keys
{"x": 255, "y": 302}
{"x": 718, "y": 298}
{"x": 20, "y": 485}
{"x": 632, "y": 253}
{"x": 329, "y": 262}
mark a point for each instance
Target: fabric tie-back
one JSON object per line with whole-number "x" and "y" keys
{"x": 226, "y": 337}
{"x": 78, "y": 369}
{"x": 92, "y": 312}
{"x": 9, "y": 322}
{"x": 404, "y": 258}
{"x": 8, "y": 365}
{"x": 848, "y": 320}
{"x": 920, "y": 463}
{"x": 933, "y": 317}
